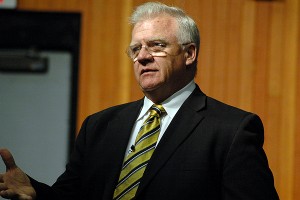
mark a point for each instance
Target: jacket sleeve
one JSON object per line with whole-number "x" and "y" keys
{"x": 67, "y": 186}
{"x": 246, "y": 173}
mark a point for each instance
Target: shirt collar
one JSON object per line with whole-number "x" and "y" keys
{"x": 173, "y": 103}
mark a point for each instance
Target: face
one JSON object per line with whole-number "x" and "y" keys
{"x": 159, "y": 76}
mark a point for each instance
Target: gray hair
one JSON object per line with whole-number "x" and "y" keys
{"x": 187, "y": 28}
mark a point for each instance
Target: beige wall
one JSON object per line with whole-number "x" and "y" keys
{"x": 250, "y": 58}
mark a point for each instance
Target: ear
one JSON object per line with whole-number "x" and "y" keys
{"x": 190, "y": 53}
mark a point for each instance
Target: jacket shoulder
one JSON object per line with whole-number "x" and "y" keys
{"x": 112, "y": 112}
{"x": 221, "y": 109}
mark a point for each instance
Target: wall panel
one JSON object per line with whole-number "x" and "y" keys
{"x": 297, "y": 139}
{"x": 274, "y": 87}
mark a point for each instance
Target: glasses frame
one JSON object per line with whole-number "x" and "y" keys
{"x": 153, "y": 53}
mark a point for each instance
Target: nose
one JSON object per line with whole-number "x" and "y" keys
{"x": 144, "y": 55}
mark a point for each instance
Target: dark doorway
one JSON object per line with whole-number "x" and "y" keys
{"x": 33, "y": 99}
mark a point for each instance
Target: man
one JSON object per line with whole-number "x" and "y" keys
{"x": 204, "y": 149}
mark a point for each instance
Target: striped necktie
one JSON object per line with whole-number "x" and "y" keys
{"x": 135, "y": 163}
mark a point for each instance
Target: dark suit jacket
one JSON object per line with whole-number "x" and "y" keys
{"x": 209, "y": 151}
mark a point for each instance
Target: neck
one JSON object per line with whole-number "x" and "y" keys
{"x": 161, "y": 94}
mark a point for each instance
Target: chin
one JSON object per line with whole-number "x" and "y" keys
{"x": 149, "y": 88}
{"x": 149, "y": 85}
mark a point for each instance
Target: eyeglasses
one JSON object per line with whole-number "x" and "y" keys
{"x": 154, "y": 48}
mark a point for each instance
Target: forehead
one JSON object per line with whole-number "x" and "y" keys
{"x": 160, "y": 27}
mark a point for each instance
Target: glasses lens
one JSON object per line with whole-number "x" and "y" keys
{"x": 158, "y": 53}
{"x": 154, "y": 50}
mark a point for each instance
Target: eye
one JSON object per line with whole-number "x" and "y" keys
{"x": 158, "y": 44}
{"x": 136, "y": 49}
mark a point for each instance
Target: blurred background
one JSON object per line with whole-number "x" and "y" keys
{"x": 63, "y": 60}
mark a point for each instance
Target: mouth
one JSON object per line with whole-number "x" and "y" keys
{"x": 145, "y": 71}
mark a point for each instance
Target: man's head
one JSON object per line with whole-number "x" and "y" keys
{"x": 164, "y": 48}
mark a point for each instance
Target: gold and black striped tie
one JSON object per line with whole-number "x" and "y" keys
{"x": 135, "y": 163}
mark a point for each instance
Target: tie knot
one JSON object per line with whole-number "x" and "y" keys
{"x": 157, "y": 110}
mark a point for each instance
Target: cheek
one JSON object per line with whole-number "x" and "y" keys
{"x": 166, "y": 73}
{"x": 169, "y": 70}
{"x": 136, "y": 71}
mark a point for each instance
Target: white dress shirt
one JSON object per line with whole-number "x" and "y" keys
{"x": 171, "y": 105}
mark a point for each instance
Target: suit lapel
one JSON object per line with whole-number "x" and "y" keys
{"x": 119, "y": 130}
{"x": 182, "y": 125}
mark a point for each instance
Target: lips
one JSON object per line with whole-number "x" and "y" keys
{"x": 148, "y": 71}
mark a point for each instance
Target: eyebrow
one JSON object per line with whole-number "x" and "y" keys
{"x": 150, "y": 40}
